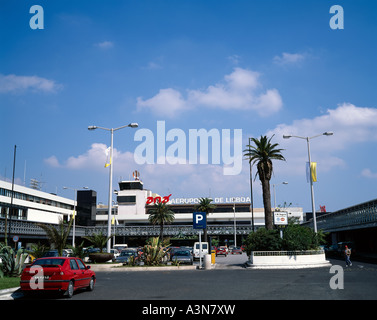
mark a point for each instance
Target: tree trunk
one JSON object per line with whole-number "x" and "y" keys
{"x": 267, "y": 204}
{"x": 161, "y": 232}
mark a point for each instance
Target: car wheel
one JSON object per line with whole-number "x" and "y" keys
{"x": 91, "y": 284}
{"x": 70, "y": 289}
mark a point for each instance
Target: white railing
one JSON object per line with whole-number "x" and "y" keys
{"x": 286, "y": 253}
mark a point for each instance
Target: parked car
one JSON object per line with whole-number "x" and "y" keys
{"x": 183, "y": 257}
{"x": 221, "y": 251}
{"x": 61, "y": 274}
{"x": 236, "y": 250}
{"x": 125, "y": 255}
{"x": 115, "y": 252}
{"x": 55, "y": 253}
{"x": 172, "y": 251}
{"x": 197, "y": 249}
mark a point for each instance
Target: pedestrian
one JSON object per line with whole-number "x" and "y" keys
{"x": 347, "y": 253}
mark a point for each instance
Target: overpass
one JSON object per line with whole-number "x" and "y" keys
{"x": 360, "y": 216}
{"x": 357, "y": 223}
{"x": 28, "y": 231}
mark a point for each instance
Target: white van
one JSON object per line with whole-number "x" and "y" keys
{"x": 196, "y": 251}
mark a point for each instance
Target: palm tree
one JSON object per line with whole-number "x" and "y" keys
{"x": 206, "y": 206}
{"x": 160, "y": 214}
{"x": 262, "y": 153}
{"x": 57, "y": 236}
{"x": 98, "y": 240}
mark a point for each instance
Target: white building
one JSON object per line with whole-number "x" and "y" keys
{"x": 33, "y": 205}
{"x": 133, "y": 202}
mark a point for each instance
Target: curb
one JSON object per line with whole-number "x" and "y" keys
{"x": 249, "y": 265}
{"x": 6, "y": 294}
{"x": 126, "y": 269}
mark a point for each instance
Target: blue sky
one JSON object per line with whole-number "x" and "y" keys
{"x": 265, "y": 67}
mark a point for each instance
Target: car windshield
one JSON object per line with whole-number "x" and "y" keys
{"x": 48, "y": 262}
{"x": 182, "y": 253}
{"x": 127, "y": 253}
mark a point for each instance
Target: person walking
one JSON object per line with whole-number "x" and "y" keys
{"x": 347, "y": 253}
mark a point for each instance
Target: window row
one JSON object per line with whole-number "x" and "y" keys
{"x": 28, "y": 197}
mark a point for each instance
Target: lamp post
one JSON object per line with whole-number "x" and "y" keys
{"x": 234, "y": 220}
{"x": 251, "y": 191}
{"x": 74, "y": 214}
{"x": 327, "y": 133}
{"x": 131, "y": 125}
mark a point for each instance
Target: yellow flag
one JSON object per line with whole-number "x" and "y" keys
{"x": 107, "y": 157}
{"x": 73, "y": 214}
{"x": 313, "y": 170}
{"x": 113, "y": 220}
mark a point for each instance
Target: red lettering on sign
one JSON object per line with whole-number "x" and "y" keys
{"x": 158, "y": 199}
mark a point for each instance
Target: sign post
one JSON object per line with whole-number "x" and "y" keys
{"x": 199, "y": 222}
{"x": 280, "y": 219}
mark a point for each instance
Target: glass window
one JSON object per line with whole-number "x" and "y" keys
{"x": 73, "y": 265}
{"x": 81, "y": 264}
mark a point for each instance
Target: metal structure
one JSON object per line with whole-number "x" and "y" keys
{"x": 363, "y": 215}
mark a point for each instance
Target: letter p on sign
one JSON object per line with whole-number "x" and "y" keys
{"x": 199, "y": 220}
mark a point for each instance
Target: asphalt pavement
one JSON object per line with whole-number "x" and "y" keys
{"x": 230, "y": 280}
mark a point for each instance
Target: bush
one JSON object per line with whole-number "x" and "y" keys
{"x": 295, "y": 237}
{"x": 263, "y": 240}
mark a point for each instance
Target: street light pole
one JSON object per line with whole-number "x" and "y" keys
{"x": 251, "y": 191}
{"x": 327, "y": 133}
{"x": 235, "y": 226}
{"x": 131, "y": 125}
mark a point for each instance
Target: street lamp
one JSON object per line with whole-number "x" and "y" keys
{"x": 273, "y": 186}
{"x": 327, "y": 133}
{"x": 131, "y": 125}
{"x": 234, "y": 220}
{"x": 74, "y": 215}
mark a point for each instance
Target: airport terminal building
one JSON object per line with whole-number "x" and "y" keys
{"x": 232, "y": 215}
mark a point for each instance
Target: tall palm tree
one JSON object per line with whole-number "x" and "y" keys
{"x": 57, "y": 236}
{"x": 160, "y": 214}
{"x": 206, "y": 206}
{"x": 262, "y": 153}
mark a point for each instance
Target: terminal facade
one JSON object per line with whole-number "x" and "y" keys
{"x": 131, "y": 212}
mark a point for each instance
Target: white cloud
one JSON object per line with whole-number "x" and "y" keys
{"x": 241, "y": 90}
{"x": 350, "y": 124}
{"x": 168, "y": 102}
{"x": 105, "y": 44}
{"x": 368, "y": 174}
{"x": 94, "y": 158}
{"x": 289, "y": 58}
{"x": 14, "y": 83}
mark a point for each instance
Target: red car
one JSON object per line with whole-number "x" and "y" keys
{"x": 62, "y": 274}
{"x": 236, "y": 250}
{"x": 221, "y": 251}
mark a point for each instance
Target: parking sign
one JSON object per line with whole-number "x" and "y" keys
{"x": 199, "y": 220}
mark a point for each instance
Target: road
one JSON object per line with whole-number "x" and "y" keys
{"x": 231, "y": 281}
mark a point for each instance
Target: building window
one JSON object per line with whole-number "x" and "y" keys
{"x": 126, "y": 199}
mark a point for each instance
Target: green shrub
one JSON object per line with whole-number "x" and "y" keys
{"x": 12, "y": 262}
{"x": 263, "y": 240}
{"x": 295, "y": 237}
